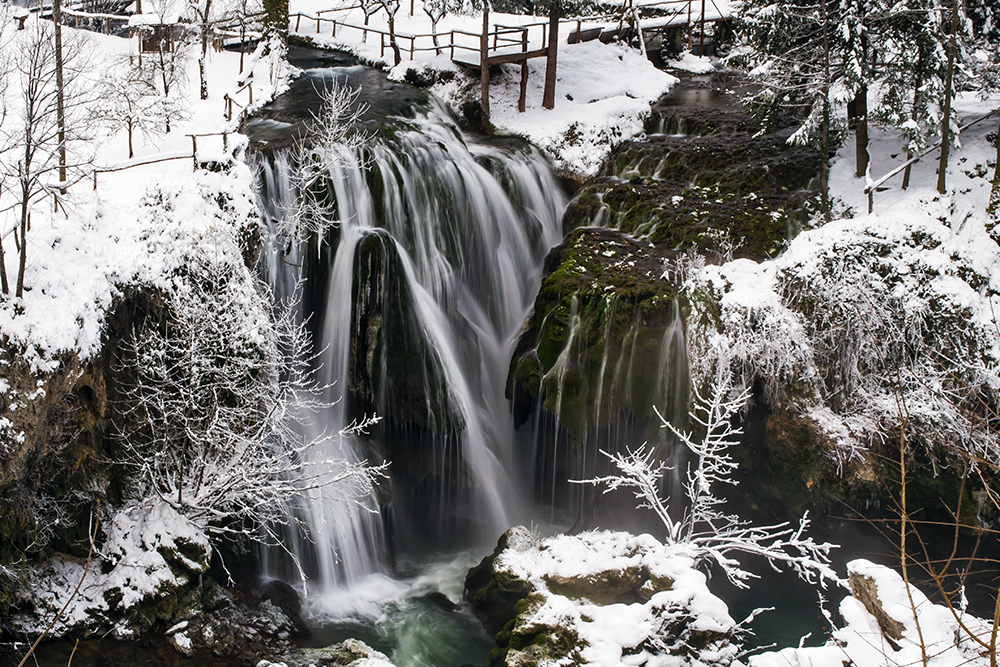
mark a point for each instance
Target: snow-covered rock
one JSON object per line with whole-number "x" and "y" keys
{"x": 926, "y": 633}
{"x": 599, "y": 598}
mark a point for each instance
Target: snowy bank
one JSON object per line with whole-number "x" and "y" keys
{"x": 923, "y": 634}
{"x": 599, "y": 598}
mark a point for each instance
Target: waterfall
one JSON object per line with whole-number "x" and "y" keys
{"x": 598, "y": 396}
{"x": 415, "y": 300}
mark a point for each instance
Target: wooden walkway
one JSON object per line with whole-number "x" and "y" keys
{"x": 517, "y": 44}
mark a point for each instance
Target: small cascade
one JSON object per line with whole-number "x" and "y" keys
{"x": 617, "y": 362}
{"x": 415, "y": 299}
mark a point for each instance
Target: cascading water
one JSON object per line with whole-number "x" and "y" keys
{"x": 598, "y": 396}
{"x": 426, "y": 280}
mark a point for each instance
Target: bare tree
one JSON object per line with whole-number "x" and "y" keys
{"x": 34, "y": 140}
{"x": 332, "y": 139}
{"x": 210, "y": 426}
{"x": 130, "y": 100}
{"x": 712, "y": 533}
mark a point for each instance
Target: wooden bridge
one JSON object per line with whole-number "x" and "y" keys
{"x": 518, "y": 43}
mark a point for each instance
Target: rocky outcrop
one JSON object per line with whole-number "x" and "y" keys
{"x": 349, "y": 653}
{"x": 597, "y": 598}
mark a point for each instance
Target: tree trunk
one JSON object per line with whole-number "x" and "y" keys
{"x": 204, "y": 50}
{"x": 203, "y": 83}
{"x": 23, "y": 254}
{"x": 392, "y": 39}
{"x": 276, "y": 19}
{"x": 824, "y": 179}
{"x": 60, "y": 98}
{"x": 4, "y": 286}
{"x": 993, "y": 208}
{"x": 549, "y": 95}
{"x": 861, "y": 132}
{"x": 946, "y": 115}
{"x": 484, "y": 68}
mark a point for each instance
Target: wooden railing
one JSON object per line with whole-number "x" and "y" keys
{"x": 168, "y": 156}
{"x": 501, "y": 36}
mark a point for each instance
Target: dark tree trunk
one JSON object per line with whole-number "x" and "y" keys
{"x": 276, "y": 19}
{"x": 60, "y": 97}
{"x": 484, "y": 68}
{"x": 946, "y": 115}
{"x": 861, "y": 132}
{"x": 993, "y": 208}
{"x": 549, "y": 95}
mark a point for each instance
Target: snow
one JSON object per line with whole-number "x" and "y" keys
{"x": 142, "y": 558}
{"x": 610, "y": 633}
{"x": 603, "y": 91}
{"x": 942, "y": 638}
{"x": 103, "y": 240}
{"x": 688, "y": 62}
{"x": 921, "y": 262}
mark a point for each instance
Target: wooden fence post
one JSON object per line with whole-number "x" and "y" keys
{"x": 484, "y": 65}
{"x": 298, "y": 18}
{"x": 194, "y": 151}
{"x": 549, "y": 94}
{"x": 523, "y": 97}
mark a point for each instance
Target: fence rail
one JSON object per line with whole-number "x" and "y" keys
{"x": 503, "y": 36}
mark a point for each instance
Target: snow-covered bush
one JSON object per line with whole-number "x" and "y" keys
{"x": 149, "y": 552}
{"x": 217, "y": 389}
{"x": 863, "y": 320}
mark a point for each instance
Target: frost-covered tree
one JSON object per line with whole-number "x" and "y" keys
{"x": 436, "y": 10}
{"x": 129, "y": 99}
{"x": 218, "y": 388}
{"x": 792, "y": 48}
{"x": 332, "y": 138}
{"x": 32, "y": 141}
{"x": 712, "y": 533}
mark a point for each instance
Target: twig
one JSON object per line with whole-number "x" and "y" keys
{"x": 62, "y": 611}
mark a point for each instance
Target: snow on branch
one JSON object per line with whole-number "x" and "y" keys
{"x": 212, "y": 425}
{"x": 705, "y": 526}
{"x": 333, "y": 140}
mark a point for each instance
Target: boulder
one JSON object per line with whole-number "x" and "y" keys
{"x": 597, "y": 598}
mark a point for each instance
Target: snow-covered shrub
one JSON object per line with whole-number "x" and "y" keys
{"x": 216, "y": 391}
{"x": 149, "y": 552}
{"x": 865, "y": 323}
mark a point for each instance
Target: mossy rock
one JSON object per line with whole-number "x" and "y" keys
{"x": 603, "y": 300}
{"x": 627, "y": 586}
{"x": 494, "y": 593}
{"x": 389, "y": 348}
{"x": 786, "y": 468}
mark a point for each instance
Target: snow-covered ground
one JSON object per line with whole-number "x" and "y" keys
{"x": 102, "y": 239}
